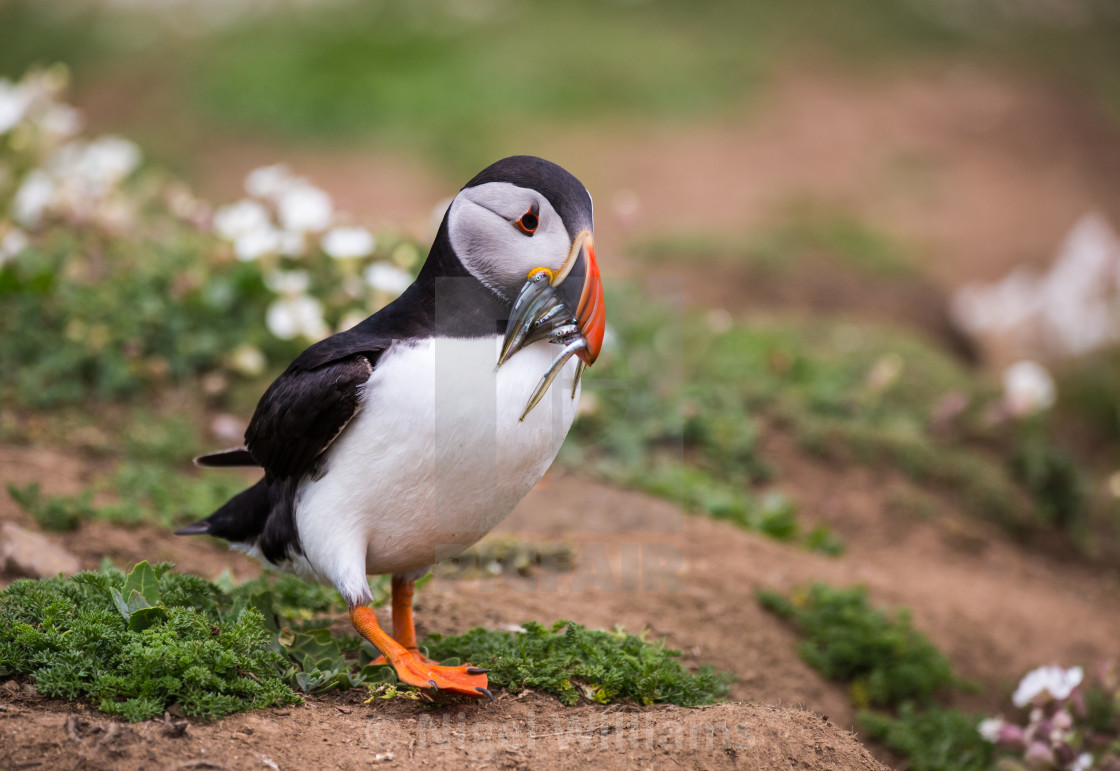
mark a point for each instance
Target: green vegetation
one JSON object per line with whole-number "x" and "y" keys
{"x": 888, "y": 665}
{"x": 805, "y": 233}
{"x": 86, "y": 314}
{"x": 59, "y": 513}
{"x": 885, "y": 661}
{"x": 135, "y": 644}
{"x": 933, "y": 739}
{"x": 571, "y": 661}
{"x": 679, "y": 405}
{"x": 152, "y": 481}
{"x": 1087, "y": 393}
{"x": 439, "y": 79}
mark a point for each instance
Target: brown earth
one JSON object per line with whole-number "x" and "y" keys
{"x": 339, "y": 731}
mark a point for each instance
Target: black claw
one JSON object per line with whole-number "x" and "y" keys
{"x": 477, "y": 671}
{"x": 485, "y": 692}
{"x": 433, "y": 684}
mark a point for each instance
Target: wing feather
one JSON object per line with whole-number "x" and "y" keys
{"x": 304, "y": 411}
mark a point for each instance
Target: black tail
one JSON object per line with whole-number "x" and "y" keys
{"x": 231, "y": 458}
{"x": 242, "y": 518}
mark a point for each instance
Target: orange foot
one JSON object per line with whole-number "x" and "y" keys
{"x": 422, "y": 673}
{"x": 418, "y": 654}
{"x": 412, "y": 666}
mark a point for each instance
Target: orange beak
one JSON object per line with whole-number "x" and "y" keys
{"x": 581, "y": 287}
{"x": 591, "y": 311}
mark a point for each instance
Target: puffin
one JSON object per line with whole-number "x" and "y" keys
{"x": 402, "y": 441}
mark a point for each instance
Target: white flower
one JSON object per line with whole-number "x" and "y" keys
{"x": 386, "y": 278}
{"x": 1083, "y": 763}
{"x": 237, "y": 219}
{"x": 288, "y": 282}
{"x": 61, "y": 120}
{"x": 33, "y": 198}
{"x": 106, "y": 161}
{"x": 1055, "y": 681}
{"x": 257, "y": 243}
{"x": 348, "y": 243}
{"x": 1071, "y": 309}
{"x": 292, "y": 243}
{"x": 13, "y": 242}
{"x": 269, "y": 181}
{"x": 14, "y": 101}
{"x": 990, "y": 728}
{"x": 305, "y": 208}
{"x": 298, "y": 316}
{"x": 1028, "y": 387}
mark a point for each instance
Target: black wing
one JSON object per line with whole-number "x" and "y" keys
{"x": 303, "y": 411}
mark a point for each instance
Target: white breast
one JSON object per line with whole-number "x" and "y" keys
{"x": 433, "y": 461}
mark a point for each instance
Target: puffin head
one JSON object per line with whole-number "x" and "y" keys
{"x": 525, "y": 218}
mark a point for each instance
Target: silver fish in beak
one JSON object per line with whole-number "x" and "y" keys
{"x": 566, "y": 308}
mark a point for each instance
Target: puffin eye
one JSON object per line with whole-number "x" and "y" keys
{"x": 528, "y": 223}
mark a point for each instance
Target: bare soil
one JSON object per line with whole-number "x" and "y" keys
{"x": 339, "y": 731}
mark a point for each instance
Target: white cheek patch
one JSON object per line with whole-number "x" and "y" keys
{"x": 493, "y": 250}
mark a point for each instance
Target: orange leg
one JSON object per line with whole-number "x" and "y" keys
{"x": 404, "y": 630}
{"x": 402, "y": 653}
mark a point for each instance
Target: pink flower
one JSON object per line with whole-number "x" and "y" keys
{"x": 1039, "y": 756}
{"x": 1011, "y": 737}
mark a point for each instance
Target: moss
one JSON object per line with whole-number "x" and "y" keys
{"x": 572, "y": 662}
{"x": 135, "y": 644}
{"x": 884, "y": 661}
{"x": 933, "y": 740}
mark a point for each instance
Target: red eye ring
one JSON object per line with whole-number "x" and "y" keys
{"x": 528, "y": 223}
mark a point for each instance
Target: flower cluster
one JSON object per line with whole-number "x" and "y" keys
{"x": 309, "y": 255}
{"x": 1072, "y": 309}
{"x": 1071, "y": 725}
{"x": 128, "y": 279}
{"x": 48, "y": 174}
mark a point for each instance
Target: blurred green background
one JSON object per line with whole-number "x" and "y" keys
{"x": 457, "y": 80}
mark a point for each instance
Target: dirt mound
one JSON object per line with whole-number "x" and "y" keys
{"x": 339, "y": 731}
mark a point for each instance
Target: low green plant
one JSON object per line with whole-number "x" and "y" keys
{"x": 884, "y": 661}
{"x": 678, "y": 404}
{"x": 89, "y": 315}
{"x": 135, "y": 644}
{"x": 1053, "y": 478}
{"x": 572, "y": 662}
{"x": 808, "y": 231}
{"x": 1087, "y": 392}
{"x": 805, "y": 234}
{"x": 150, "y": 481}
{"x": 934, "y": 739}
{"x": 59, "y": 513}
